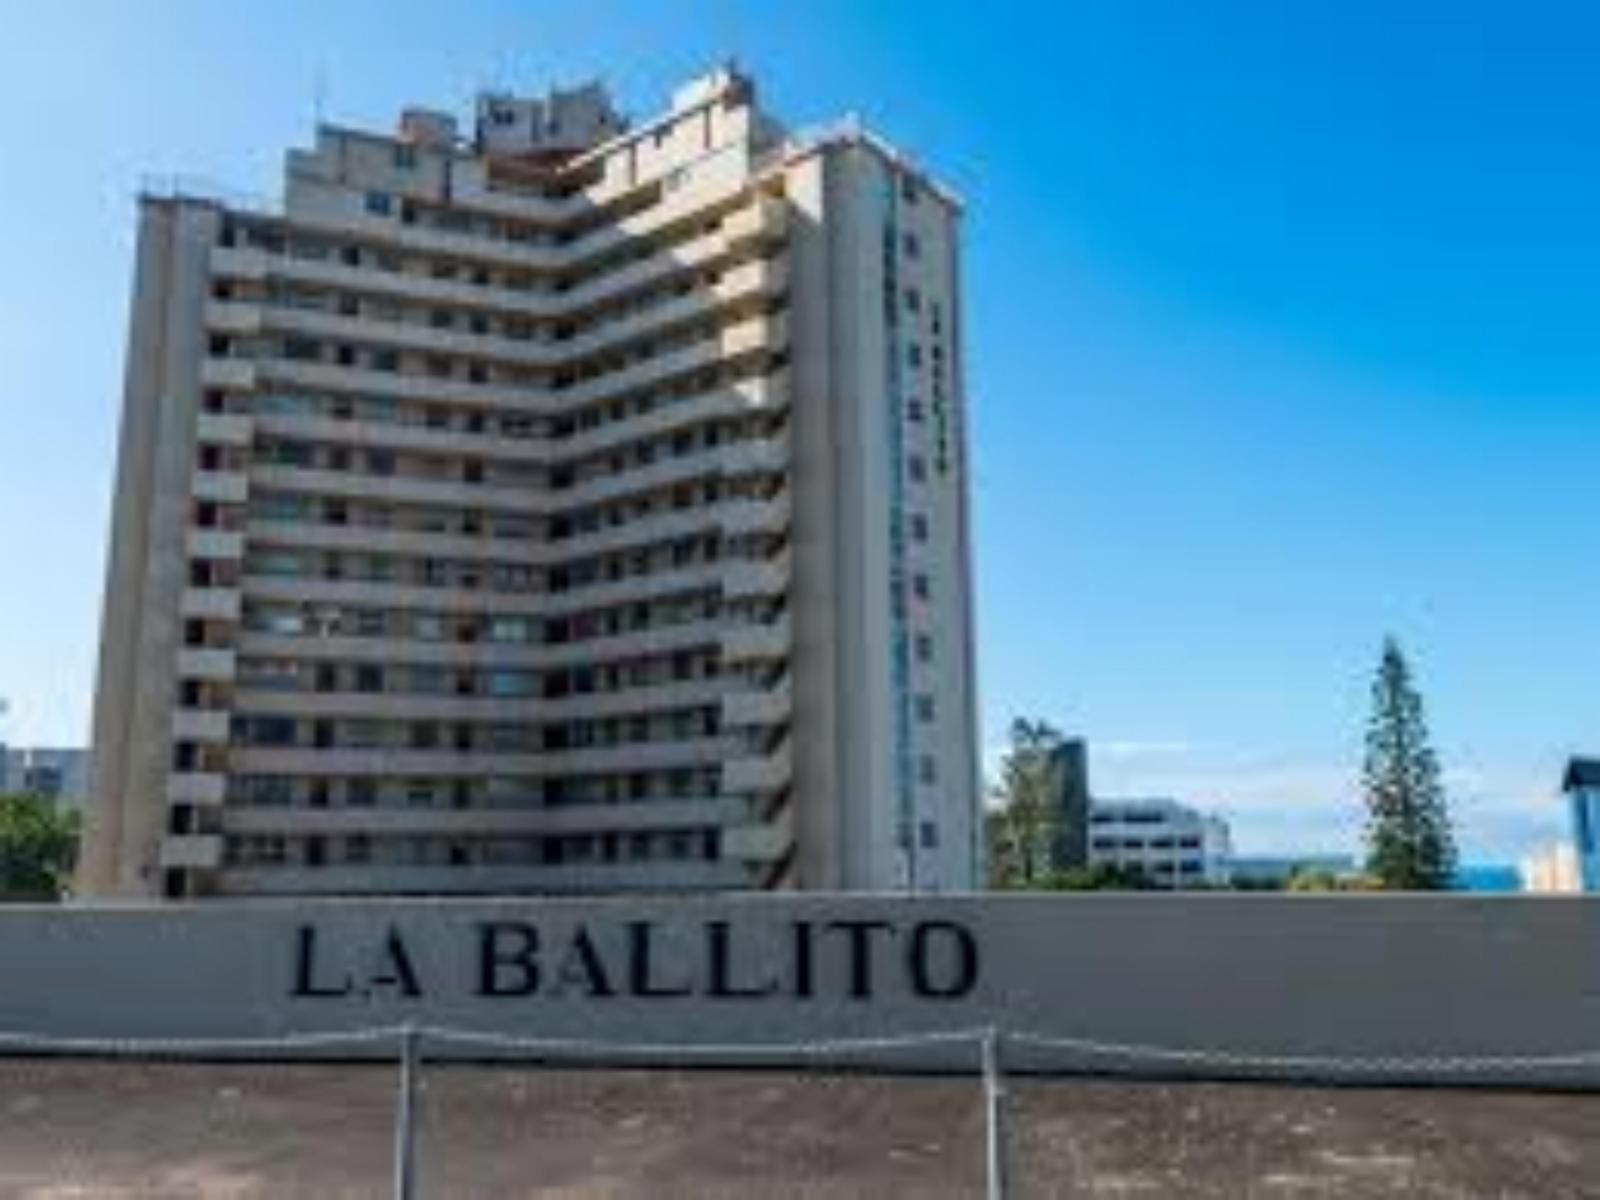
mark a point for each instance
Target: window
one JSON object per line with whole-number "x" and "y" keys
{"x": 927, "y": 769}
{"x": 924, "y": 647}
{"x": 917, "y": 468}
{"x": 925, "y": 707}
{"x": 510, "y": 629}
{"x": 405, "y": 157}
{"x": 379, "y": 203}
{"x": 919, "y": 527}
{"x": 913, "y": 354}
{"x": 270, "y": 731}
{"x": 913, "y": 300}
{"x": 928, "y": 834}
{"x": 910, "y": 245}
{"x": 919, "y": 586}
{"x": 509, "y": 683}
{"x": 914, "y": 411}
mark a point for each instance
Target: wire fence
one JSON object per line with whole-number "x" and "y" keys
{"x": 989, "y": 1047}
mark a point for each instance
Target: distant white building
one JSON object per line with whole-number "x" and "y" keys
{"x": 1552, "y": 869}
{"x": 1173, "y": 845}
{"x": 61, "y": 774}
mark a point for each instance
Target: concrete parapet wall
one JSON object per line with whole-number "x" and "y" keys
{"x": 1501, "y": 990}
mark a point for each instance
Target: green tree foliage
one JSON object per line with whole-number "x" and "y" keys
{"x": 1103, "y": 877}
{"x": 38, "y": 846}
{"x": 1023, "y": 822}
{"x": 1410, "y": 845}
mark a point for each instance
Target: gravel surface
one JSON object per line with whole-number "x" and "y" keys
{"x": 107, "y": 1129}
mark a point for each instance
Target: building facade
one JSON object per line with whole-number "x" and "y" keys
{"x": 1581, "y": 786}
{"x": 56, "y": 773}
{"x": 1070, "y": 778}
{"x": 568, "y": 507}
{"x": 1170, "y": 844}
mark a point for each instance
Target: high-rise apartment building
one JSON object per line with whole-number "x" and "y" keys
{"x": 573, "y": 506}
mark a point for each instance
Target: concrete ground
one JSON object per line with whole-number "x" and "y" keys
{"x": 83, "y": 1129}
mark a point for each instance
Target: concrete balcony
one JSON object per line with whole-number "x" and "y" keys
{"x": 212, "y": 604}
{"x": 768, "y": 578}
{"x": 446, "y": 764}
{"x": 407, "y": 336}
{"x": 231, "y": 316}
{"x": 649, "y": 372}
{"x": 391, "y": 435}
{"x": 393, "y": 706}
{"x": 233, "y": 374}
{"x": 195, "y": 851}
{"x": 201, "y": 662}
{"x": 769, "y": 333}
{"x": 469, "y": 188}
{"x": 765, "y": 221}
{"x": 755, "y": 456}
{"x": 766, "y": 842}
{"x": 307, "y": 535}
{"x": 699, "y": 577}
{"x": 770, "y": 393}
{"x": 237, "y": 262}
{"x": 224, "y": 487}
{"x": 755, "y": 643}
{"x": 423, "y": 289}
{"x": 758, "y": 708}
{"x": 224, "y": 429}
{"x": 478, "y": 879}
{"x": 756, "y": 516}
{"x": 400, "y": 488}
{"x": 697, "y": 254}
{"x": 759, "y": 776}
{"x": 701, "y": 463}
{"x": 325, "y": 377}
{"x": 742, "y": 283}
{"x": 196, "y": 787}
{"x": 299, "y": 588}
{"x": 534, "y": 820}
{"x": 691, "y": 635}
{"x": 313, "y": 647}
{"x": 545, "y": 303}
{"x": 223, "y": 544}
{"x": 200, "y": 725}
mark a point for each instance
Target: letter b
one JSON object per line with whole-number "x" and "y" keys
{"x": 508, "y": 959}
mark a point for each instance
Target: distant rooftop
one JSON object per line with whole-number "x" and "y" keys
{"x": 1581, "y": 773}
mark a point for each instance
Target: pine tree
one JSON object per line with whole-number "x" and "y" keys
{"x": 1410, "y": 846}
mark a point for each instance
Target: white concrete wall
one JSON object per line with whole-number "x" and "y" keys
{"x": 1348, "y": 977}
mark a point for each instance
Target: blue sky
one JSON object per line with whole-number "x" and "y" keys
{"x": 1282, "y": 336}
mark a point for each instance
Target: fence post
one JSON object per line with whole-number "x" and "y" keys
{"x": 994, "y": 1115}
{"x": 405, "y": 1156}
